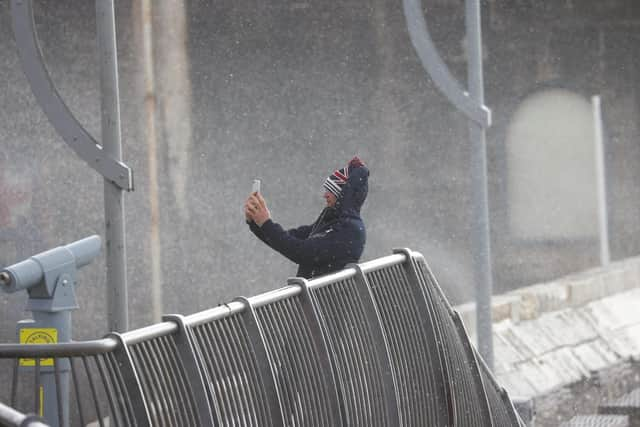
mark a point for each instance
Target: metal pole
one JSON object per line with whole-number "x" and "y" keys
{"x": 112, "y": 145}
{"x": 152, "y": 144}
{"x": 603, "y": 224}
{"x": 480, "y": 221}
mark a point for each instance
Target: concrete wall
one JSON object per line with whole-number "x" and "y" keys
{"x": 288, "y": 91}
{"x": 569, "y": 344}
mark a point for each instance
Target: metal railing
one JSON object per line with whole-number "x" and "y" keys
{"x": 375, "y": 344}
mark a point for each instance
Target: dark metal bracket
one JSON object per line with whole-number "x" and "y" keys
{"x": 67, "y": 126}
{"x": 437, "y": 69}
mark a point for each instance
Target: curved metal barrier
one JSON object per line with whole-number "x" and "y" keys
{"x": 375, "y": 344}
{"x": 468, "y": 395}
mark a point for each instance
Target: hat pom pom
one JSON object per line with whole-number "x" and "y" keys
{"x": 355, "y": 163}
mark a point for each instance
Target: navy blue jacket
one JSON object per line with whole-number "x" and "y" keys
{"x": 334, "y": 240}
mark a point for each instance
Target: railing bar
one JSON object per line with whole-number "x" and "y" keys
{"x": 165, "y": 375}
{"x": 385, "y": 374}
{"x": 329, "y": 279}
{"x": 281, "y": 359}
{"x": 221, "y": 362}
{"x": 14, "y": 382}
{"x": 56, "y": 375}
{"x": 429, "y": 290}
{"x": 415, "y": 339}
{"x": 220, "y": 369}
{"x": 324, "y": 298}
{"x": 126, "y": 412}
{"x": 305, "y": 383}
{"x": 386, "y": 300}
{"x": 393, "y": 295}
{"x": 149, "y": 333}
{"x": 292, "y": 314}
{"x": 244, "y": 402}
{"x": 146, "y": 386}
{"x": 217, "y": 371}
{"x": 93, "y": 389}
{"x": 376, "y": 365}
{"x": 276, "y": 295}
{"x": 65, "y": 349}
{"x": 381, "y": 263}
{"x": 402, "y": 318}
{"x": 427, "y": 382}
{"x": 182, "y": 381}
{"x": 340, "y": 325}
{"x": 441, "y": 383}
{"x": 163, "y": 406}
{"x": 200, "y": 345}
{"x": 374, "y": 403}
{"x": 449, "y": 353}
{"x": 476, "y": 385}
{"x": 115, "y": 392}
{"x": 256, "y": 400}
{"x": 164, "y": 388}
{"x": 412, "y": 338}
{"x": 112, "y": 387}
{"x": 74, "y": 377}
{"x": 379, "y": 301}
{"x": 425, "y": 385}
{"x": 359, "y": 342}
{"x": 380, "y": 407}
{"x": 214, "y": 314}
{"x": 149, "y": 386}
{"x": 101, "y": 362}
{"x": 233, "y": 371}
{"x": 37, "y": 387}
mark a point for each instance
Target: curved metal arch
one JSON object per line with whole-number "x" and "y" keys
{"x": 67, "y": 126}
{"x": 437, "y": 69}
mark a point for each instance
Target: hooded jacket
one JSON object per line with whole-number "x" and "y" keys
{"x": 335, "y": 239}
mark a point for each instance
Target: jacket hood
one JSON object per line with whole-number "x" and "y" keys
{"x": 354, "y": 192}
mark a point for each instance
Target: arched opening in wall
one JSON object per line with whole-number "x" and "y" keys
{"x": 551, "y": 168}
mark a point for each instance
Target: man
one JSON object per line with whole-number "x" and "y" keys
{"x": 334, "y": 240}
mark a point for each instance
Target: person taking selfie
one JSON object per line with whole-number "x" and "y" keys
{"x": 335, "y": 239}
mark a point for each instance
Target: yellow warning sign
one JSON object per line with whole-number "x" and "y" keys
{"x": 38, "y": 336}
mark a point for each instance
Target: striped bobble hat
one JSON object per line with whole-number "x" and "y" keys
{"x": 336, "y": 181}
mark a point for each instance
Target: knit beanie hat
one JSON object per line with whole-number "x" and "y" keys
{"x": 336, "y": 181}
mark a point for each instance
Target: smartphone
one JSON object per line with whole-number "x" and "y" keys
{"x": 256, "y": 186}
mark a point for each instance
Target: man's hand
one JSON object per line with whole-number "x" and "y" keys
{"x": 256, "y": 209}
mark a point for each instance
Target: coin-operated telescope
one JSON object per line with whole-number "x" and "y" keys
{"x": 49, "y": 279}
{"x": 49, "y": 276}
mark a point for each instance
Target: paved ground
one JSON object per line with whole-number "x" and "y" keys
{"x": 583, "y": 397}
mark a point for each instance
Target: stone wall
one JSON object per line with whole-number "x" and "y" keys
{"x": 288, "y": 91}
{"x": 569, "y": 344}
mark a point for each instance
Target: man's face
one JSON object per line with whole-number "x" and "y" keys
{"x": 330, "y": 198}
